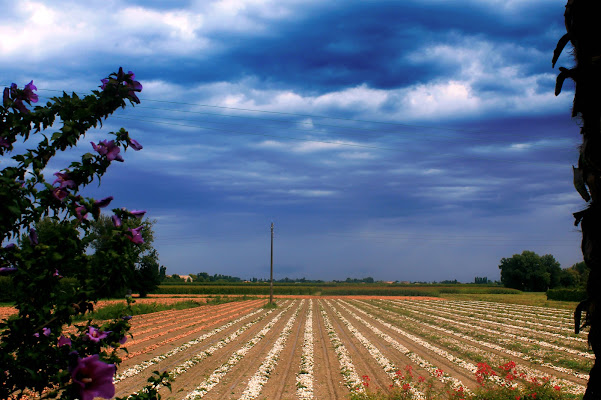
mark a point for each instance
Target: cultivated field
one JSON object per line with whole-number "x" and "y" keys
{"x": 316, "y": 348}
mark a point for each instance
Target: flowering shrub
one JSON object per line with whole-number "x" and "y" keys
{"x": 36, "y": 358}
{"x": 514, "y": 386}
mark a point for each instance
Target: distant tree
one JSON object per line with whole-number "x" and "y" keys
{"x": 480, "y": 280}
{"x": 575, "y": 276}
{"x": 162, "y": 273}
{"x": 553, "y": 268}
{"x": 147, "y": 274}
{"x": 530, "y": 272}
{"x": 173, "y": 278}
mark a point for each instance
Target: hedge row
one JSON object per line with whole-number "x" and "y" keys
{"x": 566, "y": 294}
{"x": 251, "y": 290}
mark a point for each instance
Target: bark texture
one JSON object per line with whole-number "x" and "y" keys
{"x": 584, "y": 33}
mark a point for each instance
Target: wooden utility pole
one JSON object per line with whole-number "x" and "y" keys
{"x": 271, "y": 274}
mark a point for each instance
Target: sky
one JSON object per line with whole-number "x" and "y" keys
{"x": 414, "y": 140}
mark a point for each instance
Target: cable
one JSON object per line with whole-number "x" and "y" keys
{"x": 301, "y": 115}
{"x": 455, "y": 139}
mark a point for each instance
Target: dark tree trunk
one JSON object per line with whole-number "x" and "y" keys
{"x": 583, "y": 25}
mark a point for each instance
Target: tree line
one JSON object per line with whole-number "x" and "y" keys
{"x": 531, "y": 272}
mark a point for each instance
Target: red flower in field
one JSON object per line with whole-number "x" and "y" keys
{"x": 438, "y": 372}
{"x": 509, "y": 377}
{"x": 406, "y": 386}
{"x": 508, "y": 366}
{"x": 517, "y": 397}
{"x": 421, "y": 379}
{"x": 556, "y": 387}
{"x": 533, "y": 395}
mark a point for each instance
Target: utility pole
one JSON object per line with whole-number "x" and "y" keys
{"x": 271, "y": 275}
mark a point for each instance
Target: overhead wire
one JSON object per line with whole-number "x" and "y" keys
{"x": 389, "y": 123}
{"x": 333, "y": 142}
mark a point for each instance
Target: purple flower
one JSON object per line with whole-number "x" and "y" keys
{"x": 138, "y": 213}
{"x": 18, "y": 98}
{"x": 30, "y": 96}
{"x": 45, "y": 332}
{"x": 10, "y": 246}
{"x": 7, "y": 270}
{"x": 4, "y": 143}
{"x": 57, "y": 274}
{"x": 64, "y": 341}
{"x": 134, "y": 144}
{"x": 63, "y": 180}
{"x": 123, "y": 340}
{"x": 60, "y": 193}
{"x": 121, "y": 78}
{"x": 126, "y": 317}
{"x": 78, "y": 212}
{"x": 116, "y": 221}
{"x": 96, "y": 335}
{"x": 108, "y": 149}
{"x": 94, "y": 377}
{"x": 100, "y": 147}
{"x": 33, "y": 237}
{"x": 103, "y": 202}
{"x": 136, "y": 236}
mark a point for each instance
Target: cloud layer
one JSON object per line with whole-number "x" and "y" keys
{"x": 415, "y": 140}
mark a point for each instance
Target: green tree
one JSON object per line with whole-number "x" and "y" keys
{"x": 145, "y": 276}
{"x": 530, "y": 272}
{"x": 575, "y": 276}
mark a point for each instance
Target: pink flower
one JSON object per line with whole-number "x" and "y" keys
{"x": 134, "y": 144}
{"x": 116, "y": 221}
{"x": 103, "y": 202}
{"x": 19, "y": 96}
{"x": 136, "y": 236}
{"x": 96, "y": 335}
{"x": 64, "y": 341}
{"x": 138, "y": 213}
{"x": 108, "y": 149}
{"x": 62, "y": 178}
{"x": 94, "y": 377}
{"x": 81, "y": 212}
{"x": 29, "y": 95}
{"x": 60, "y": 193}
{"x": 45, "y": 332}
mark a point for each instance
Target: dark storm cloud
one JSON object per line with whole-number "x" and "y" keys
{"x": 444, "y": 137}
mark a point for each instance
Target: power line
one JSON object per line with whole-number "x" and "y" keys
{"x": 303, "y": 115}
{"x": 453, "y": 139}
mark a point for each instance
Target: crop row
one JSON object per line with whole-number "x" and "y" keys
{"x": 371, "y": 342}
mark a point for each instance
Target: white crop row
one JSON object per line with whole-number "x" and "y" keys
{"x": 570, "y": 386}
{"x": 201, "y": 390}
